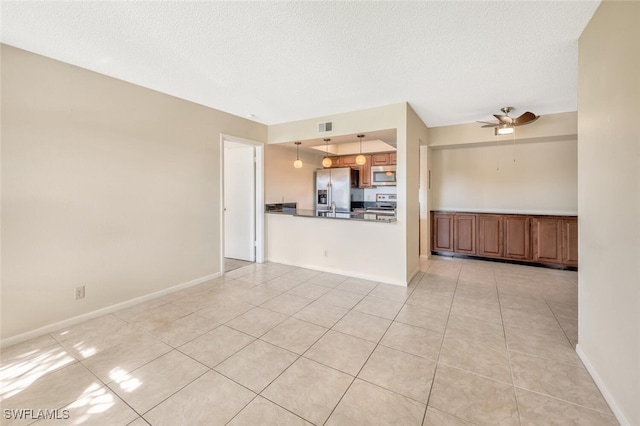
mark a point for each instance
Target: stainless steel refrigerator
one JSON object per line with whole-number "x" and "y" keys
{"x": 334, "y": 186}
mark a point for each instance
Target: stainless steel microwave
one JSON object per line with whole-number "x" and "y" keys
{"x": 383, "y": 176}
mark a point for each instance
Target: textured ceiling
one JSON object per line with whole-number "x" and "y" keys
{"x": 454, "y": 62}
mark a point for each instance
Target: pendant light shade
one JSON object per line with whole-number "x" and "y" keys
{"x": 361, "y": 159}
{"x": 297, "y": 164}
{"x": 326, "y": 161}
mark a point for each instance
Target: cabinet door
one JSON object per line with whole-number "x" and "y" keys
{"x": 547, "y": 240}
{"x": 490, "y": 235}
{"x": 336, "y": 161}
{"x": 380, "y": 159}
{"x": 393, "y": 158}
{"x": 464, "y": 231}
{"x": 365, "y": 173}
{"x": 570, "y": 242}
{"x": 442, "y": 232}
{"x": 516, "y": 237}
{"x": 349, "y": 160}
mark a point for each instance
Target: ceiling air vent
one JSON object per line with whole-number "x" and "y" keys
{"x": 325, "y": 127}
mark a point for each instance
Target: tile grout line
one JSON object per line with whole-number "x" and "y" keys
{"x": 506, "y": 343}
{"x": 298, "y": 358}
{"x": 435, "y": 370}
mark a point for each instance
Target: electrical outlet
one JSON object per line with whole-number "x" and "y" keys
{"x": 79, "y": 293}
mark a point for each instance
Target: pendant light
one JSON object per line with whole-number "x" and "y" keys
{"x": 361, "y": 159}
{"x": 297, "y": 164}
{"x": 326, "y": 161}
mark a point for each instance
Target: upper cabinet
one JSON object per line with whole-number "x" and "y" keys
{"x": 365, "y": 173}
{"x": 365, "y": 169}
{"x": 384, "y": 159}
{"x": 348, "y": 161}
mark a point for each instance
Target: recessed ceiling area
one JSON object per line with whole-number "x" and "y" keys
{"x": 274, "y": 62}
{"x": 377, "y": 141}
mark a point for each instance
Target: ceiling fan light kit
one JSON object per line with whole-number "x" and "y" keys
{"x": 504, "y": 129}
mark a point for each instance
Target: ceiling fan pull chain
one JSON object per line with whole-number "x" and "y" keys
{"x": 514, "y": 145}
{"x": 497, "y": 154}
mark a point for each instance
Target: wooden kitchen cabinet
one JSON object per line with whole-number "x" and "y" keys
{"x": 384, "y": 159}
{"x": 442, "y": 232}
{"x": 464, "y": 233}
{"x": 517, "y": 243}
{"x": 365, "y": 173}
{"x": 380, "y": 159}
{"x": 547, "y": 239}
{"x": 348, "y": 161}
{"x": 490, "y": 235}
{"x": 570, "y": 242}
{"x": 336, "y": 162}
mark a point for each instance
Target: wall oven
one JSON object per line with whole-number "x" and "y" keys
{"x": 383, "y": 176}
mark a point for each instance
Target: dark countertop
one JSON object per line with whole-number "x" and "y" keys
{"x": 363, "y": 217}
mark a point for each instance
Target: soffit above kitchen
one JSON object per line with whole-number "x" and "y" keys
{"x": 276, "y": 62}
{"x": 372, "y": 142}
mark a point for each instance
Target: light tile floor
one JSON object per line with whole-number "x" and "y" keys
{"x": 231, "y": 264}
{"x": 468, "y": 342}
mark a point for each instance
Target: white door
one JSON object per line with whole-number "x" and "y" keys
{"x": 239, "y": 201}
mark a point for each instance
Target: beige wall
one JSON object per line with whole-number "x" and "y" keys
{"x": 104, "y": 184}
{"x": 543, "y": 179}
{"x": 609, "y": 204}
{"x": 283, "y": 182}
{"x": 417, "y": 134}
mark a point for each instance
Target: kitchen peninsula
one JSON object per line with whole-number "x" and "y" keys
{"x": 386, "y": 252}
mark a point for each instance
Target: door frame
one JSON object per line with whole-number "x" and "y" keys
{"x": 258, "y": 191}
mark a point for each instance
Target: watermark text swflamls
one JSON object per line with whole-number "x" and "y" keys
{"x": 35, "y": 414}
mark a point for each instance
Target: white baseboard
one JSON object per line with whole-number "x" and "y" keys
{"x": 9, "y": 341}
{"x": 340, "y": 272}
{"x": 603, "y": 389}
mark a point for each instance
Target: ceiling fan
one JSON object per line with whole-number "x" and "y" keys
{"x": 506, "y": 124}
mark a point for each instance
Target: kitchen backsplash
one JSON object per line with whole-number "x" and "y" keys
{"x": 370, "y": 193}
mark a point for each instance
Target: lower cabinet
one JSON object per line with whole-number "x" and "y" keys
{"x": 442, "y": 232}
{"x": 570, "y": 242}
{"x": 464, "y": 233}
{"x": 517, "y": 242}
{"x": 490, "y": 235}
{"x": 549, "y": 240}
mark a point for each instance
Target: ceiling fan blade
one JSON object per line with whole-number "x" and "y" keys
{"x": 491, "y": 125}
{"x": 526, "y": 118}
{"x": 486, "y": 122}
{"x": 503, "y": 118}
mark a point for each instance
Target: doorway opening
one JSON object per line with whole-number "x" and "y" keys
{"x": 242, "y": 224}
